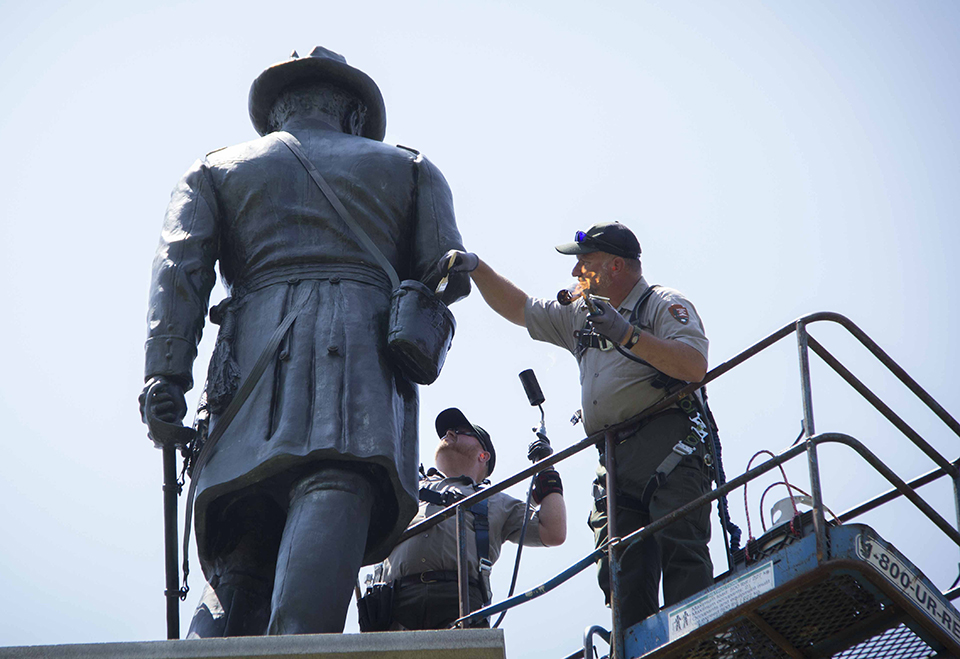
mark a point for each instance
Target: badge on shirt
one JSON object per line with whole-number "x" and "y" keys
{"x": 680, "y": 312}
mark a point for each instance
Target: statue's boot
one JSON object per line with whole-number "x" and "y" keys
{"x": 321, "y": 551}
{"x": 239, "y": 605}
{"x": 236, "y": 600}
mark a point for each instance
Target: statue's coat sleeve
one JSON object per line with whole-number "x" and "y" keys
{"x": 183, "y": 276}
{"x": 436, "y": 227}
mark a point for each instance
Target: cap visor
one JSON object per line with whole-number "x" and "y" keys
{"x": 450, "y": 418}
{"x": 575, "y": 248}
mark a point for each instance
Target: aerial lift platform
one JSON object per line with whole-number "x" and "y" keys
{"x": 807, "y": 588}
{"x": 866, "y": 601}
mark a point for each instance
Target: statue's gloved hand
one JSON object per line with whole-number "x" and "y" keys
{"x": 539, "y": 449}
{"x": 609, "y": 323}
{"x": 166, "y": 400}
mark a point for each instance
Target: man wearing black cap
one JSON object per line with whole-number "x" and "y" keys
{"x": 317, "y": 472}
{"x": 628, "y": 350}
{"x": 423, "y": 569}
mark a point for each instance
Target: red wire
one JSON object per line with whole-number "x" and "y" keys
{"x": 746, "y": 508}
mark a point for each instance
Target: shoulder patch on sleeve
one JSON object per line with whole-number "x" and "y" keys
{"x": 680, "y": 312}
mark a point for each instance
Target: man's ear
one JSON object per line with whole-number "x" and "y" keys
{"x": 484, "y": 456}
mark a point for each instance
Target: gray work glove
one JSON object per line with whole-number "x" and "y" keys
{"x": 462, "y": 262}
{"x": 458, "y": 277}
{"x": 609, "y": 323}
{"x": 539, "y": 449}
{"x": 167, "y": 401}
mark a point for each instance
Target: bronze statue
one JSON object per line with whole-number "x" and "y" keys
{"x": 317, "y": 473}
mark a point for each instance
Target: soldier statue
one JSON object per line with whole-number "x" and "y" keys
{"x": 316, "y": 474}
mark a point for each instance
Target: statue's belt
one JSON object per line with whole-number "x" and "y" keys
{"x": 293, "y": 274}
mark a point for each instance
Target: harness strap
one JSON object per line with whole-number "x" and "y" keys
{"x": 685, "y": 447}
{"x": 481, "y": 530}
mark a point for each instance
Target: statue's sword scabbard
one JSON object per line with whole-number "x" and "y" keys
{"x": 169, "y": 437}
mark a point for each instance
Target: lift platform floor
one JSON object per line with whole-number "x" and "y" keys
{"x": 865, "y": 601}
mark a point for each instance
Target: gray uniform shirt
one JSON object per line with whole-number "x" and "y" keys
{"x": 614, "y": 388}
{"x": 436, "y": 548}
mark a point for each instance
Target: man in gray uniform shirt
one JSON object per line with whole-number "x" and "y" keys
{"x": 423, "y": 569}
{"x": 661, "y": 329}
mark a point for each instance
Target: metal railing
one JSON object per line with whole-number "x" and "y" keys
{"x": 615, "y": 545}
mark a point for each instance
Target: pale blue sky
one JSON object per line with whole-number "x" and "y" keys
{"x": 774, "y": 159}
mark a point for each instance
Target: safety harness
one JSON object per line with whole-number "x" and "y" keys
{"x": 702, "y": 427}
{"x": 481, "y": 529}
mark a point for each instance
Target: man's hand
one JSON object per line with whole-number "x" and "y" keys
{"x": 457, "y": 273}
{"x": 539, "y": 449}
{"x": 462, "y": 262}
{"x": 609, "y": 323}
{"x": 166, "y": 400}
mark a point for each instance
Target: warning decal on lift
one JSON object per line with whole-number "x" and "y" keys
{"x": 687, "y": 617}
{"x": 903, "y": 577}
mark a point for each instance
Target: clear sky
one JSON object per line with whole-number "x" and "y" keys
{"x": 775, "y": 159}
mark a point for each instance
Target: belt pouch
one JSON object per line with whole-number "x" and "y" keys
{"x": 421, "y": 331}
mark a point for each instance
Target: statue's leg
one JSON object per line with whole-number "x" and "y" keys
{"x": 238, "y": 605}
{"x": 236, "y": 600}
{"x": 321, "y": 550}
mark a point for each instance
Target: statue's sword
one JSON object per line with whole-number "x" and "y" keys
{"x": 169, "y": 437}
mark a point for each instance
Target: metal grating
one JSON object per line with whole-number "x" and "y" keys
{"x": 809, "y": 620}
{"x": 821, "y": 612}
{"x": 897, "y": 643}
{"x": 743, "y": 639}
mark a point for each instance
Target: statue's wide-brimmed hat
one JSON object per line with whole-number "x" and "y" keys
{"x": 321, "y": 65}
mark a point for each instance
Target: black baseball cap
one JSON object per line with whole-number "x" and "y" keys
{"x": 610, "y": 237}
{"x": 454, "y": 418}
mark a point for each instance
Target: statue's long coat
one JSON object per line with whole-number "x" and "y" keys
{"x": 331, "y": 391}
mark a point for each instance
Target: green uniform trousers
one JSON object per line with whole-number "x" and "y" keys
{"x": 679, "y": 550}
{"x": 434, "y": 605}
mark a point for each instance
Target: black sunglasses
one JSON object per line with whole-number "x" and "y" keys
{"x": 468, "y": 433}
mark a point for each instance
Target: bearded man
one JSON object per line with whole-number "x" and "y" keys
{"x": 422, "y": 570}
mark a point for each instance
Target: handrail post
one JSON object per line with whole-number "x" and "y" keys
{"x": 809, "y": 429}
{"x": 463, "y": 581}
{"x": 610, "y": 464}
{"x": 956, "y": 497}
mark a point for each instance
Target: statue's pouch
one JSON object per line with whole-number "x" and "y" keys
{"x": 421, "y": 331}
{"x": 421, "y": 326}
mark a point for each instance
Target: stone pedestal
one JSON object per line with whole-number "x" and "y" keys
{"x": 445, "y": 644}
